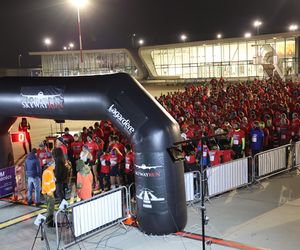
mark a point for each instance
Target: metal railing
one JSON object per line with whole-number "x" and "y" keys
{"x": 271, "y": 162}
{"x": 83, "y": 219}
{"x": 192, "y": 186}
{"x": 297, "y": 153}
{"x": 228, "y": 176}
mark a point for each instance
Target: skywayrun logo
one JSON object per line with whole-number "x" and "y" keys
{"x": 117, "y": 115}
{"x": 42, "y": 101}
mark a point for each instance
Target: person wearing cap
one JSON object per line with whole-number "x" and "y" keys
{"x": 33, "y": 173}
{"x": 24, "y": 127}
{"x": 60, "y": 143}
{"x": 48, "y": 189}
{"x": 84, "y": 183}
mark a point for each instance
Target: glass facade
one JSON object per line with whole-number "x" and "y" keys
{"x": 234, "y": 59}
{"x": 94, "y": 62}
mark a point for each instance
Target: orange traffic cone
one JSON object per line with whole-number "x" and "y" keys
{"x": 130, "y": 220}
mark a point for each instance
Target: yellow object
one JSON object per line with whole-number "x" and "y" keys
{"x": 48, "y": 181}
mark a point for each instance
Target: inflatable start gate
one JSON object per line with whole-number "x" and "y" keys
{"x": 160, "y": 188}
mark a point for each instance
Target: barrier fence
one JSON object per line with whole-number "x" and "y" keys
{"x": 87, "y": 217}
{"x": 297, "y": 153}
{"x": 192, "y": 186}
{"x": 228, "y": 176}
{"x": 270, "y": 162}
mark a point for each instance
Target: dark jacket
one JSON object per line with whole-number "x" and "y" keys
{"x": 61, "y": 171}
{"x": 32, "y": 166}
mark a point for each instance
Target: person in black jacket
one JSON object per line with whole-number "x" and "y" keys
{"x": 33, "y": 173}
{"x": 60, "y": 172}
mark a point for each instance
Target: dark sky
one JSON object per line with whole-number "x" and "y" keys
{"x": 110, "y": 23}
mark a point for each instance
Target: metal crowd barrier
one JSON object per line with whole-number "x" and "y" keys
{"x": 192, "y": 186}
{"x": 82, "y": 219}
{"x": 227, "y": 176}
{"x": 271, "y": 162}
{"x": 297, "y": 153}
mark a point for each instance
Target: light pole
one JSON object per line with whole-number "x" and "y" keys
{"x": 141, "y": 42}
{"x": 133, "y": 40}
{"x": 47, "y": 42}
{"x": 293, "y": 27}
{"x": 247, "y": 35}
{"x": 257, "y": 24}
{"x": 183, "y": 37}
{"x": 219, "y": 36}
{"x": 79, "y": 4}
{"x": 71, "y": 46}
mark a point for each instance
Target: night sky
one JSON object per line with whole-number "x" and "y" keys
{"x": 110, "y": 23}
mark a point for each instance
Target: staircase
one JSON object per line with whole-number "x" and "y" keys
{"x": 268, "y": 59}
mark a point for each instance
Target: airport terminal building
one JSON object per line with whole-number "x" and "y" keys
{"x": 232, "y": 58}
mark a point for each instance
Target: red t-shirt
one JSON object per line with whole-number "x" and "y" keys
{"x": 93, "y": 148}
{"x": 98, "y": 132}
{"x": 104, "y": 167}
{"x": 77, "y": 148}
{"x": 43, "y": 155}
{"x": 129, "y": 166}
{"x": 237, "y": 136}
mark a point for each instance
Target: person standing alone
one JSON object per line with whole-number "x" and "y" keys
{"x": 33, "y": 173}
{"x": 24, "y": 127}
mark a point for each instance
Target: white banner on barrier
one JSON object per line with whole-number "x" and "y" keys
{"x": 96, "y": 213}
{"x": 189, "y": 186}
{"x": 271, "y": 161}
{"x": 297, "y": 151}
{"x": 227, "y": 176}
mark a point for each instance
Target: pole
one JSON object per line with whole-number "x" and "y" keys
{"x": 79, "y": 34}
{"x": 202, "y": 195}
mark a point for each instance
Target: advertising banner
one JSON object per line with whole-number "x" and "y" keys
{"x": 7, "y": 181}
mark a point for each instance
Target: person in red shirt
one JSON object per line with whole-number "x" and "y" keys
{"x": 68, "y": 138}
{"x": 44, "y": 155}
{"x": 238, "y": 141}
{"x": 116, "y": 144}
{"x": 60, "y": 143}
{"x": 115, "y": 161}
{"x": 76, "y": 147}
{"x": 93, "y": 148}
{"x": 24, "y": 127}
{"x": 98, "y": 131}
{"x": 84, "y": 135}
{"x": 129, "y": 165}
{"x": 104, "y": 169}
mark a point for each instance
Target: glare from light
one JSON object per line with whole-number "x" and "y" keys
{"x": 257, "y": 23}
{"x": 79, "y": 3}
{"x": 183, "y": 37}
{"x": 219, "y": 36}
{"x": 71, "y": 45}
{"x": 247, "y": 35}
{"x": 141, "y": 42}
{"x": 47, "y": 41}
{"x": 65, "y": 48}
{"x": 293, "y": 27}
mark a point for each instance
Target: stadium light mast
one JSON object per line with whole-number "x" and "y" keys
{"x": 293, "y": 27}
{"x": 247, "y": 35}
{"x": 183, "y": 37}
{"x": 79, "y": 4}
{"x": 47, "y": 42}
{"x": 257, "y": 24}
{"x": 141, "y": 42}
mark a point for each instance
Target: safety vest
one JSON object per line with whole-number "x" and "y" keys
{"x": 48, "y": 181}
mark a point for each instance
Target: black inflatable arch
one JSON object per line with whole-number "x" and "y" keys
{"x": 159, "y": 181}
